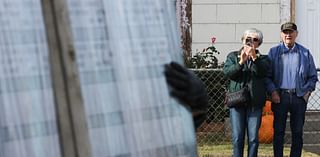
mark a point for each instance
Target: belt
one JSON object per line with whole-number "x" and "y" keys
{"x": 289, "y": 91}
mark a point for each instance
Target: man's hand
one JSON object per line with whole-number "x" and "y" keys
{"x": 188, "y": 89}
{"x": 307, "y": 96}
{"x": 275, "y": 98}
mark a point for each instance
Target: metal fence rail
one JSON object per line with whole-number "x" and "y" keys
{"x": 216, "y": 131}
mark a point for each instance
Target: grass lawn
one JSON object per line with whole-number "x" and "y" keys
{"x": 265, "y": 150}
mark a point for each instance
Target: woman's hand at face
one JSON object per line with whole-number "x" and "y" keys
{"x": 250, "y": 51}
{"x": 243, "y": 56}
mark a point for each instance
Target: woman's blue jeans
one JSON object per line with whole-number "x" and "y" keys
{"x": 245, "y": 119}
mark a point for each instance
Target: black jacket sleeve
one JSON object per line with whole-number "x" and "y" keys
{"x": 188, "y": 89}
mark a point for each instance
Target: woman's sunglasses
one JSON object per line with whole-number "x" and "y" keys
{"x": 249, "y": 39}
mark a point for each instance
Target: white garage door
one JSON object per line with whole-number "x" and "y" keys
{"x": 308, "y": 21}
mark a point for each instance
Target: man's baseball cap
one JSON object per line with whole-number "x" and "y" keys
{"x": 288, "y": 26}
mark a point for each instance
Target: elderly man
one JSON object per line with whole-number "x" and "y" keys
{"x": 291, "y": 79}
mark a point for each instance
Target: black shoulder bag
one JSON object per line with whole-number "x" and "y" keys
{"x": 238, "y": 98}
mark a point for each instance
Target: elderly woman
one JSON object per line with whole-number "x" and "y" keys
{"x": 247, "y": 66}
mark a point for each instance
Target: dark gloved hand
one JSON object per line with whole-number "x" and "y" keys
{"x": 188, "y": 89}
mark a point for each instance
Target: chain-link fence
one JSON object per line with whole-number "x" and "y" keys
{"x": 214, "y": 135}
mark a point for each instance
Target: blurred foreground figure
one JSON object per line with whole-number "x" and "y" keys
{"x": 188, "y": 89}
{"x": 117, "y": 49}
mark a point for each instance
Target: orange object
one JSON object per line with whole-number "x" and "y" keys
{"x": 266, "y": 129}
{"x": 267, "y": 108}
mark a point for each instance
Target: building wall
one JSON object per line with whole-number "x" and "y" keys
{"x": 227, "y": 19}
{"x": 308, "y": 21}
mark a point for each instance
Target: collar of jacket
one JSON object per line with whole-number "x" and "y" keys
{"x": 285, "y": 50}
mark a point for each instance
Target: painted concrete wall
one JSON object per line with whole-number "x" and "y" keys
{"x": 227, "y": 19}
